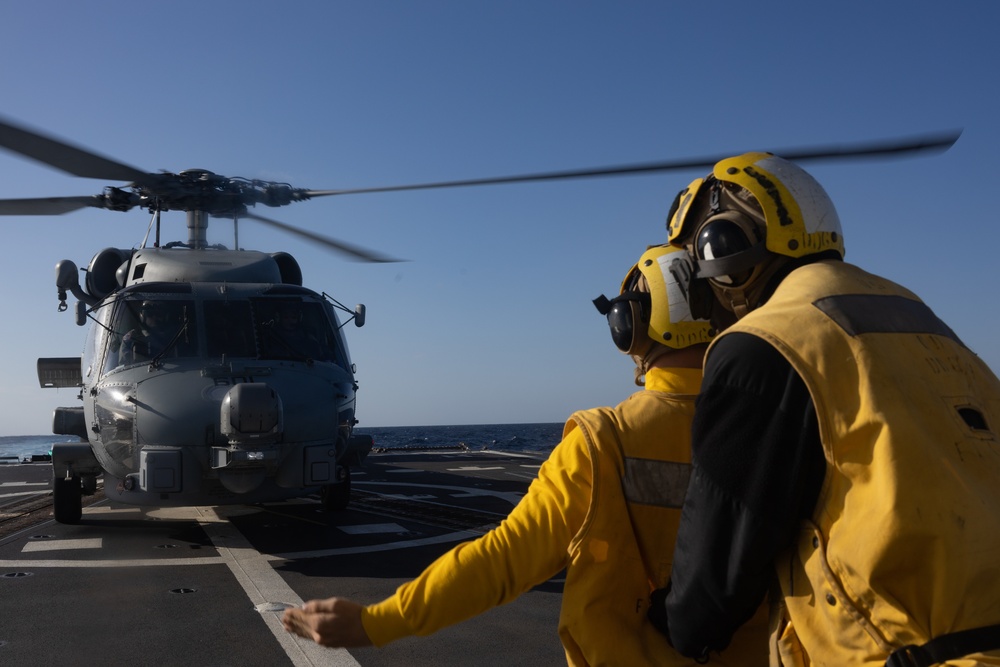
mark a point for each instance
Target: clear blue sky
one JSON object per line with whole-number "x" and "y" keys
{"x": 491, "y": 320}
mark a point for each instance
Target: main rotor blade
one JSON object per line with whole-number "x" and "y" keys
{"x": 352, "y": 251}
{"x": 61, "y": 155}
{"x": 48, "y": 205}
{"x": 921, "y": 143}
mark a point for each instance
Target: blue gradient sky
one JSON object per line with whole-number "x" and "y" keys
{"x": 491, "y": 320}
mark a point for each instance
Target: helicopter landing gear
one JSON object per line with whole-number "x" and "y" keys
{"x": 67, "y": 499}
{"x": 89, "y": 483}
{"x": 335, "y": 497}
{"x": 74, "y": 471}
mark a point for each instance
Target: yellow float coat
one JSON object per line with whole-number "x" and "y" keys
{"x": 904, "y": 543}
{"x": 605, "y": 508}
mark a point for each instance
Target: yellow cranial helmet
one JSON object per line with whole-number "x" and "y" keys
{"x": 799, "y": 217}
{"x": 652, "y": 308}
{"x": 750, "y": 211}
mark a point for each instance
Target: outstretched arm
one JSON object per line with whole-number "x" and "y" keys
{"x": 526, "y": 549}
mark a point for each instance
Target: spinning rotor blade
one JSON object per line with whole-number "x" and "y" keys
{"x": 219, "y": 196}
{"x": 63, "y": 156}
{"x": 921, "y": 143}
{"x": 47, "y": 205}
{"x": 352, "y": 251}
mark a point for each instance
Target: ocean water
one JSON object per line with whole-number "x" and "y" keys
{"x": 539, "y": 438}
{"x": 477, "y": 437}
{"x": 14, "y": 448}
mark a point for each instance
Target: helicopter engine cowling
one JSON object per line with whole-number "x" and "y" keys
{"x": 102, "y": 274}
{"x": 291, "y": 274}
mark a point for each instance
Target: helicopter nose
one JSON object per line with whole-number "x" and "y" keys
{"x": 251, "y": 412}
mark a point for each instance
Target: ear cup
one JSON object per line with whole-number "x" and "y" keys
{"x": 623, "y": 317}
{"x": 724, "y": 246}
{"x": 629, "y": 322}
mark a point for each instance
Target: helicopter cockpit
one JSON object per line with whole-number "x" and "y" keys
{"x": 157, "y": 327}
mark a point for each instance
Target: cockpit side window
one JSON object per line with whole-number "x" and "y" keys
{"x": 97, "y": 347}
{"x": 117, "y": 326}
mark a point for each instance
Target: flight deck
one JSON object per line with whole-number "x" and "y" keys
{"x": 207, "y": 585}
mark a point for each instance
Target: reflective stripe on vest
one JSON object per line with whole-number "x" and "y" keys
{"x": 652, "y": 482}
{"x": 859, "y": 314}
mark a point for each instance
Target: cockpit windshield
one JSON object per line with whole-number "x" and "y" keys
{"x": 160, "y": 328}
{"x": 270, "y": 328}
{"x": 229, "y": 329}
{"x": 294, "y": 329}
{"x": 145, "y": 330}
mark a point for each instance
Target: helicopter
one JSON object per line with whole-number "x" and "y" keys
{"x": 211, "y": 375}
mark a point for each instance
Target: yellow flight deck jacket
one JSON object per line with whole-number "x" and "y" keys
{"x": 904, "y": 542}
{"x": 605, "y": 507}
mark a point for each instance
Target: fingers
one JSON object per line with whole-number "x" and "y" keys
{"x": 331, "y": 622}
{"x": 295, "y": 621}
{"x": 321, "y": 606}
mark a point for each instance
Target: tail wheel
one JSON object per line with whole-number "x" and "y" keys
{"x": 67, "y": 499}
{"x": 335, "y": 497}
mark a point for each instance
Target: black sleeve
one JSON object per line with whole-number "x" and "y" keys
{"x": 758, "y": 467}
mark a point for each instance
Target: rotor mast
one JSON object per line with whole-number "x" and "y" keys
{"x": 197, "y": 224}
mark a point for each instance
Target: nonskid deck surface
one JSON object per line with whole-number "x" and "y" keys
{"x": 206, "y": 585}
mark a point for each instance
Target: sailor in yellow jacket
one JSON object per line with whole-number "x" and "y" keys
{"x": 846, "y": 444}
{"x": 605, "y": 507}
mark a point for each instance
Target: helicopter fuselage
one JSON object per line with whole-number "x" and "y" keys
{"x": 208, "y": 379}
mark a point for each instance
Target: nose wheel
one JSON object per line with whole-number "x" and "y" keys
{"x": 67, "y": 499}
{"x": 335, "y": 497}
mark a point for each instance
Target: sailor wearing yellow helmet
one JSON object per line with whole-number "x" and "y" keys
{"x": 604, "y": 508}
{"x": 845, "y": 444}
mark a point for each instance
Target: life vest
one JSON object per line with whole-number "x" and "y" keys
{"x": 904, "y": 543}
{"x": 641, "y": 458}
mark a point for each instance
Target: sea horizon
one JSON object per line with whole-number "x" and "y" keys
{"x": 539, "y": 437}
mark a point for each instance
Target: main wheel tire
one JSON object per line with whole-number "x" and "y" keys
{"x": 67, "y": 499}
{"x": 337, "y": 496}
{"x": 89, "y": 484}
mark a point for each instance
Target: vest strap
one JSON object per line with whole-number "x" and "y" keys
{"x": 946, "y": 647}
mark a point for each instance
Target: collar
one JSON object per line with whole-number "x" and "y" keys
{"x": 674, "y": 380}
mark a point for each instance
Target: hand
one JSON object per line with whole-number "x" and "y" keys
{"x": 334, "y": 622}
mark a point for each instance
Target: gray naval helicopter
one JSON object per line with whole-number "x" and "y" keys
{"x": 209, "y": 376}
{"x": 212, "y": 376}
